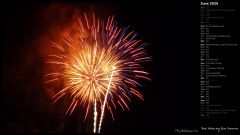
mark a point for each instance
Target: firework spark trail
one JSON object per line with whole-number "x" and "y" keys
{"x": 104, "y": 102}
{"x": 85, "y": 61}
{"x": 95, "y": 116}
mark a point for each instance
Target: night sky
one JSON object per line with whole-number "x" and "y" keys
{"x": 171, "y": 98}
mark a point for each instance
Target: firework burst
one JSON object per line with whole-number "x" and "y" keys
{"x": 100, "y": 64}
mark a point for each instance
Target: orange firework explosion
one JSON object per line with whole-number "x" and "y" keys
{"x": 100, "y": 64}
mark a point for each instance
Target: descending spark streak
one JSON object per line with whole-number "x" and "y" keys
{"x": 95, "y": 116}
{"x": 104, "y": 102}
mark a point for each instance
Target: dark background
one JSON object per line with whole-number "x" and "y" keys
{"x": 171, "y": 98}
